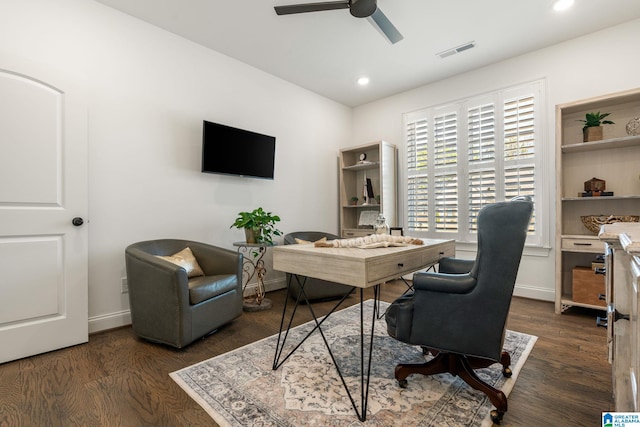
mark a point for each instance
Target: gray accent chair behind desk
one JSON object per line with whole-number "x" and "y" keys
{"x": 315, "y": 289}
{"x": 166, "y": 306}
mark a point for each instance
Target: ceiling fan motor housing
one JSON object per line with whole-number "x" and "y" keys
{"x": 362, "y": 8}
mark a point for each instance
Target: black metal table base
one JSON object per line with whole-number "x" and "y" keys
{"x": 365, "y": 362}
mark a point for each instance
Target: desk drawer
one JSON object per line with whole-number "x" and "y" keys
{"x": 395, "y": 266}
{"x": 433, "y": 255}
{"x": 594, "y": 245}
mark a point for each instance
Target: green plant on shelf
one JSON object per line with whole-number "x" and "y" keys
{"x": 595, "y": 119}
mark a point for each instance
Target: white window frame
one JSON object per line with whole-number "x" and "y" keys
{"x": 541, "y": 236}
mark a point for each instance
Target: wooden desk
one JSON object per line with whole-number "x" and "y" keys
{"x": 359, "y": 268}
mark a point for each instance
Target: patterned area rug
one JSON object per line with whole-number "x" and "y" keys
{"x": 239, "y": 388}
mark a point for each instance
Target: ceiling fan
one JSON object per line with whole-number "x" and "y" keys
{"x": 357, "y": 8}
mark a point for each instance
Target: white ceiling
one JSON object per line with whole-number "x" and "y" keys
{"x": 326, "y": 51}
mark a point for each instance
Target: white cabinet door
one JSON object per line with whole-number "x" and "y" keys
{"x": 43, "y": 187}
{"x": 635, "y": 333}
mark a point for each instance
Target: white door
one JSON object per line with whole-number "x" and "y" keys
{"x": 43, "y": 187}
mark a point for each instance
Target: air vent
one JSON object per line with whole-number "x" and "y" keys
{"x": 457, "y": 49}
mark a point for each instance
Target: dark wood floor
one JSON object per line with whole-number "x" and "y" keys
{"x": 119, "y": 380}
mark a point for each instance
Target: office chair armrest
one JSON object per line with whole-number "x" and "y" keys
{"x": 445, "y": 283}
{"x": 452, "y": 265}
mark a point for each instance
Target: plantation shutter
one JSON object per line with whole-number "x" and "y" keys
{"x": 465, "y": 155}
{"x": 446, "y": 179}
{"x": 418, "y": 180}
{"x": 519, "y": 148}
{"x": 481, "y": 150}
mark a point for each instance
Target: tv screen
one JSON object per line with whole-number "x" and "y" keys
{"x": 231, "y": 151}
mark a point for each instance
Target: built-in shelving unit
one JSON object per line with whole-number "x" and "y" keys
{"x": 379, "y": 166}
{"x": 616, "y": 160}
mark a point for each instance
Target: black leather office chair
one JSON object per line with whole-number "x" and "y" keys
{"x": 459, "y": 314}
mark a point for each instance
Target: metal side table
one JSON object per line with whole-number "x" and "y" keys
{"x": 253, "y": 265}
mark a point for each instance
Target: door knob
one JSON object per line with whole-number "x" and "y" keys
{"x": 77, "y": 221}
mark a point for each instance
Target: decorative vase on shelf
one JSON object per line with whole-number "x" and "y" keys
{"x": 381, "y": 226}
{"x": 633, "y": 127}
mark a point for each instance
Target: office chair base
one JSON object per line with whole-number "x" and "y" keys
{"x": 462, "y": 366}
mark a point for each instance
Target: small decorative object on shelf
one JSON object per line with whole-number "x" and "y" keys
{"x": 633, "y": 127}
{"x": 593, "y": 222}
{"x": 592, "y": 130}
{"x": 381, "y": 226}
{"x": 367, "y": 192}
{"x": 363, "y": 158}
{"x": 595, "y": 184}
{"x": 354, "y": 200}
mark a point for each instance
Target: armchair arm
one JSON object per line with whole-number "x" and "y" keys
{"x": 455, "y": 265}
{"x": 445, "y": 283}
{"x": 158, "y": 297}
{"x": 215, "y": 260}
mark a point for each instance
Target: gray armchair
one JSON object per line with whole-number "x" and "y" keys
{"x": 170, "y": 308}
{"x": 315, "y": 289}
{"x": 459, "y": 314}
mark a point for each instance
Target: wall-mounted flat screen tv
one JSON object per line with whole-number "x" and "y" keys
{"x": 231, "y": 151}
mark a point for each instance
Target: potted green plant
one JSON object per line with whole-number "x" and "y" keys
{"x": 354, "y": 200}
{"x": 259, "y": 226}
{"x": 592, "y": 130}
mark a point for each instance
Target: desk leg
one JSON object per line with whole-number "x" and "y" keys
{"x": 409, "y": 288}
{"x": 302, "y": 296}
{"x": 365, "y": 359}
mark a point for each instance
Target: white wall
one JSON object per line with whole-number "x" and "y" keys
{"x": 148, "y": 92}
{"x": 597, "y": 64}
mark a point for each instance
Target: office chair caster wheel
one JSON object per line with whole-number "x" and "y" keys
{"x": 403, "y": 383}
{"x": 507, "y": 372}
{"x": 496, "y": 416}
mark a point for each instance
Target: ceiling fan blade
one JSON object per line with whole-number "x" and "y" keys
{"x": 380, "y": 21}
{"x": 311, "y": 7}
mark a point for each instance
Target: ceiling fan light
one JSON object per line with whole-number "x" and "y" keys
{"x": 362, "y": 81}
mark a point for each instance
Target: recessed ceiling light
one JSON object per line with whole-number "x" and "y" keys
{"x": 561, "y": 5}
{"x": 363, "y": 81}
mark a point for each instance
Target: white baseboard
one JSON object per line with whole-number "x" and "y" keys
{"x": 118, "y": 319}
{"x": 123, "y": 318}
{"x": 269, "y": 285}
{"x": 534, "y": 292}
{"x": 109, "y": 321}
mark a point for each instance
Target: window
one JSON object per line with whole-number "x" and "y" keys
{"x": 464, "y": 155}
